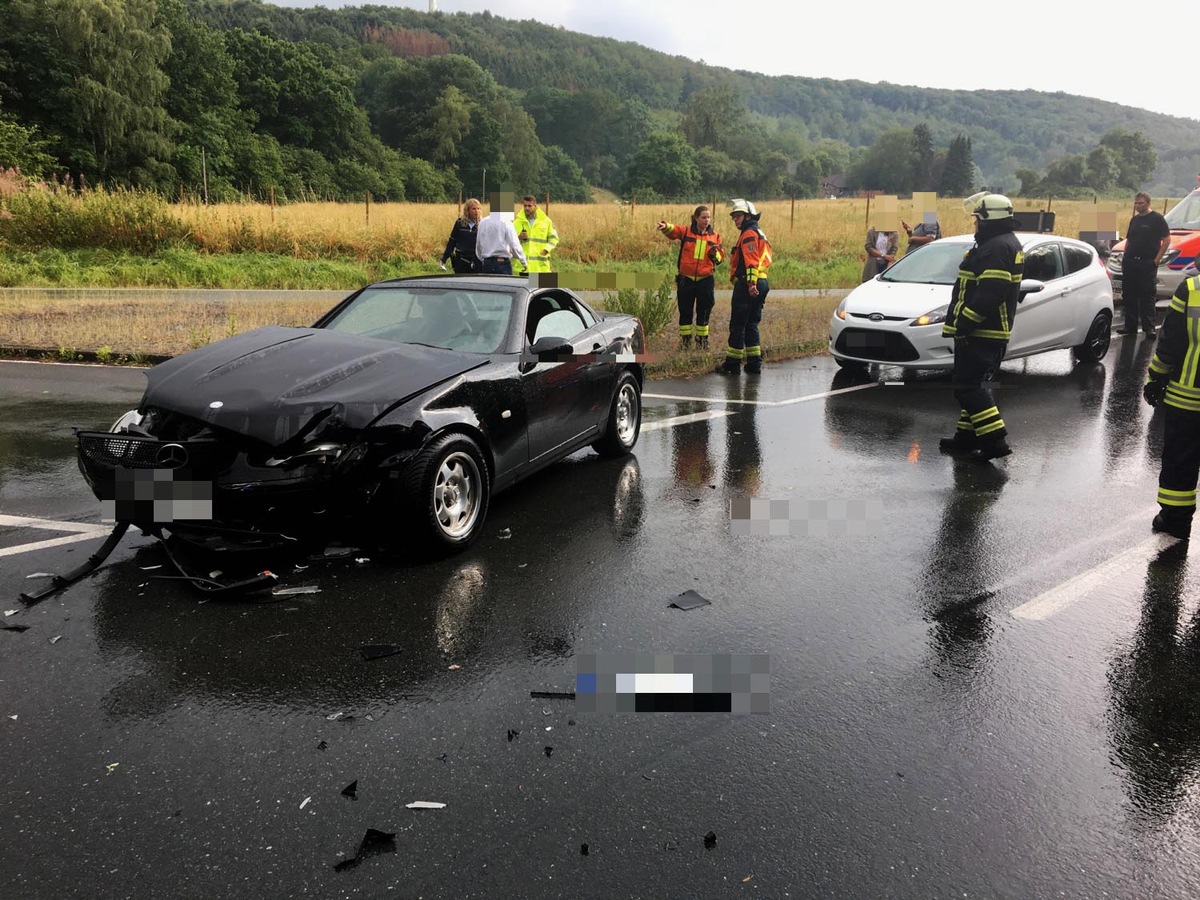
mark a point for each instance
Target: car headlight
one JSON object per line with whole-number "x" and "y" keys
{"x": 840, "y": 312}
{"x": 1169, "y": 256}
{"x": 933, "y": 317}
{"x": 133, "y": 417}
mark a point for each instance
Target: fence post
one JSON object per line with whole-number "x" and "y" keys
{"x": 367, "y": 194}
{"x": 272, "y": 204}
{"x": 792, "y": 224}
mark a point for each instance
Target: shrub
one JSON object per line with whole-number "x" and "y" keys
{"x": 136, "y": 221}
{"x": 655, "y": 308}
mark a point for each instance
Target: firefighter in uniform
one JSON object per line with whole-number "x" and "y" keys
{"x": 1174, "y": 383}
{"x": 979, "y": 319}
{"x": 749, "y": 261}
{"x": 700, "y": 252}
{"x": 537, "y": 235}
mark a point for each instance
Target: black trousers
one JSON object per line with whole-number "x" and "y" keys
{"x": 975, "y": 362}
{"x": 465, "y": 266}
{"x": 697, "y": 296}
{"x": 1139, "y": 279}
{"x": 1180, "y": 465}
{"x": 745, "y": 314}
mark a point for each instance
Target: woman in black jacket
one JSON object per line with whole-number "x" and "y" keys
{"x": 460, "y": 249}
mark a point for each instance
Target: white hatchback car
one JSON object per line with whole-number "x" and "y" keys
{"x": 896, "y": 318}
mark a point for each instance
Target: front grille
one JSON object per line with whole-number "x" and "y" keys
{"x": 882, "y": 318}
{"x": 122, "y": 451}
{"x": 885, "y": 346}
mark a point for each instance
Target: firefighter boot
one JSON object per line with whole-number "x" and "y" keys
{"x": 962, "y": 443}
{"x": 685, "y": 342}
{"x": 729, "y": 366}
{"x": 989, "y": 450}
{"x": 1175, "y": 528}
{"x": 702, "y": 342}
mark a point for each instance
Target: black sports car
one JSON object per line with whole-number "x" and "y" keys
{"x": 403, "y": 409}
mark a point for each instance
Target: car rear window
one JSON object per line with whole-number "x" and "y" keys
{"x": 1078, "y": 258}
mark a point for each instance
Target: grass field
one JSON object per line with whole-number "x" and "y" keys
{"x": 119, "y": 240}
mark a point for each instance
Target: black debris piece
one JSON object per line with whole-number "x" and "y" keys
{"x": 512, "y": 733}
{"x": 373, "y": 843}
{"x": 351, "y": 790}
{"x": 670, "y": 845}
{"x": 549, "y": 750}
{"x": 443, "y": 758}
{"x": 710, "y": 840}
{"x": 377, "y": 651}
{"x": 570, "y": 721}
{"x": 338, "y": 553}
{"x": 322, "y": 746}
{"x": 17, "y": 628}
{"x": 583, "y": 849}
{"x": 552, "y": 695}
{"x": 690, "y": 600}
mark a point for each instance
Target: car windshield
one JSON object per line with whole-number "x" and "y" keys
{"x": 1186, "y": 214}
{"x": 473, "y": 321}
{"x": 935, "y": 263}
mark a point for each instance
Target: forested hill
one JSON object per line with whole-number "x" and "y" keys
{"x": 1008, "y": 129}
{"x": 228, "y": 97}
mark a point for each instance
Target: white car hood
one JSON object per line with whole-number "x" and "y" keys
{"x": 891, "y": 298}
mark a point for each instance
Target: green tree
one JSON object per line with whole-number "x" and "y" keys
{"x": 922, "y": 158}
{"x": 959, "y": 171}
{"x": 1134, "y": 155}
{"x": 1102, "y": 170}
{"x": 716, "y": 117}
{"x": 116, "y": 122}
{"x": 888, "y": 164}
{"x": 451, "y": 120}
{"x": 665, "y": 163}
{"x": 23, "y": 148}
{"x": 562, "y": 178}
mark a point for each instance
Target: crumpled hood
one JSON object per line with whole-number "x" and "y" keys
{"x": 268, "y": 383}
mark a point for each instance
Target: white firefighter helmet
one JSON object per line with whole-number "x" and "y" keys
{"x": 986, "y": 205}
{"x": 743, "y": 206}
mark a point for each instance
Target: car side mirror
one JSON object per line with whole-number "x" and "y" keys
{"x": 549, "y": 348}
{"x": 1030, "y": 286}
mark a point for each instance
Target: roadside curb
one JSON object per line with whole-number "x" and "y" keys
{"x": 40, "y": 354}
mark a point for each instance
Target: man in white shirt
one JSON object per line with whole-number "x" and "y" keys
{"x": 496, "y": 243}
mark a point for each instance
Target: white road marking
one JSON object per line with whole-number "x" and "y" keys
{"x": 52, "y": 542}
{"x": 52, "y": 525}
{"x": 685, "y": 420}
{"x": 1082, "y": 585}
{"x": 788, "y": 402}
{"x": 82, "y": 531}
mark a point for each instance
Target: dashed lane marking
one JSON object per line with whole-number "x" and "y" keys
{"x": 685, "y": 420}
{"x": 788, "y": 402}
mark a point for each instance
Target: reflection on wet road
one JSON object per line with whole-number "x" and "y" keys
{"x": 989, "y": 691}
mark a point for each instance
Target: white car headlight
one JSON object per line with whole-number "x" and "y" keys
{"x": 933, "y": 317}
{"x": 133, "y": 417}
{"x": 840, "y": 312}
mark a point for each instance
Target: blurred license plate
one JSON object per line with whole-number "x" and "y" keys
{"x": 865, "y": 340}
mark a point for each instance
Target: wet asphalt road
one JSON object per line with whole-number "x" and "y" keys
{"x": 990, "y": 693}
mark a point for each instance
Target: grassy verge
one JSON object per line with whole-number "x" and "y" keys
{"x": 186, "y": 268}
{"x": 140, "y": 331}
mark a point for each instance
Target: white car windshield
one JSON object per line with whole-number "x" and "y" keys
{"x": 451, "y": 318}
{"x": 1186, "y": 213}
{"x": 935, "y": 263}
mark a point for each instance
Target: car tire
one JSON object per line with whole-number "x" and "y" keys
{"x": 446, "y": 490}
{"x": 1095, "y": 345}
{"x": 851, "y": 365}
{"x": 624, "y": 418}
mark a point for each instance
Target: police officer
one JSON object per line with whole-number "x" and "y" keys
{"x": 749, "y": 261}
{"x": 980, "y": 318}
{"x": 1174, "y": 382}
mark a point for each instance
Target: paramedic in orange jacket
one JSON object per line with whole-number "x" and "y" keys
{"x": 749, "y": 262}
{"x": 699, "y": 253}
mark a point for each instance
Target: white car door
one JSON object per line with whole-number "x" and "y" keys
{"x": 1043, "y": 319}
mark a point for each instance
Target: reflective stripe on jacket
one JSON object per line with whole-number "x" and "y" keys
{"x": 984, "y": 299}
{"x": 1177, "y": 355}
{"x": 751, "y": 256}
{"x": 542, "y": 236}
{"x": 699, "y": 253}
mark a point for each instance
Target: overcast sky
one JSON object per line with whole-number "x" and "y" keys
{"x": 1054, "y": 45}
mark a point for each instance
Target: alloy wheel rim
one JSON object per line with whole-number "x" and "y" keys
{"x": 627, "y": 414}
{"x": 457, "y": 493}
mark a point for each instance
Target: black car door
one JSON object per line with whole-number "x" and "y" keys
{"x": 562, "y": 397}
